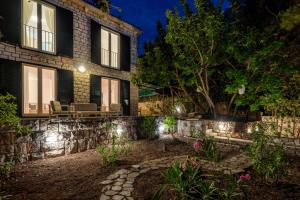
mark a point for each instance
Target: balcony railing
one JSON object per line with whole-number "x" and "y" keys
{"x": 113, "y": 56}
{"x": 31, "y": 39}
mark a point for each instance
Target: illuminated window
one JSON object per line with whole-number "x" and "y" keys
{"x": 38, "y": 89}
{"x": 110, "y": 49}
{"x": 110, "y": 92}
{"x": 38, "y": 26}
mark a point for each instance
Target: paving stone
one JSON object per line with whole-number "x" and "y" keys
{"x": 144, "y": 170}
{"x": 106, "y": 182}
{"x": 113, "y": 176}
{"x": 104, "y": 197}
{"x": 126, "y": 193}
{"x": 110, "y": 193}
{"x": 116, "y": 188}
{"x": 117, "y": 197}
{"x": 118, "y": 183}
{"x": 133, "y": 174}
{"x": 127, "y": 185}
{"x": 122, "y": 171}
{"x": 136, "y": 166}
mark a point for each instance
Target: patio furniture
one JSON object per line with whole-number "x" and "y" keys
{"x": 55, "y": 109}
{"x": 86, "y": 109}
{"x": 115, "y": 109}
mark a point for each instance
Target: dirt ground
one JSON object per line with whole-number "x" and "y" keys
{"x": 77, "y": 176}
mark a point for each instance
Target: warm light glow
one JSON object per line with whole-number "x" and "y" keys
{"x": 222, "y": 126}
{"x": 161, "y": 128}
{"x": 51, "y": 138}
{"x": 81, "y": 68}
{"x": 119, "y": 131}
{"x": 178, "y": 109}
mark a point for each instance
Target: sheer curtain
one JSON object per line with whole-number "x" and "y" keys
{"x": 47, "y": 28}
{"x": 30, "y": 23}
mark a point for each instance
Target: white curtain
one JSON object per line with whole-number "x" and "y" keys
{"x": 28, "y": 9}
{"x": 48, "y": 17}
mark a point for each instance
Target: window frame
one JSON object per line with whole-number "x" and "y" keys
{"x": 40, "y": 89}
{"x": 39, "y": 10}
{"x": 109, "y": 90}
{"x": 109, "y": 48}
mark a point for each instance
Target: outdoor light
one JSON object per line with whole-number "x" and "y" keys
{"x": 178, "y": 109}
{"x": 222, "y": 126}
{"x": 161, "y": 128}
{"x": 242, "y": 90}
{"x": 51, "y": 138}
{"x": 119, "y": 131}
{"x": 81, "y": 68}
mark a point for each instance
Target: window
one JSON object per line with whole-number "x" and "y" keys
{"x": 39, "y": 89}
{"x": 110, "y": 92}
{"x": 38, "y": 26}
{"x": 110, "y": 49}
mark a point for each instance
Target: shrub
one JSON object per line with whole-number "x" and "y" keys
{"x": 5, "y": 169}
{"x": 8, "y": 115}
{"x": 170, "y": 123}
{"x": 110, "y": 154}
{"x": 148, "y": 127}
{"x": 188, "y": 180}
{"x": 208, "y": 146}
{"x": 267, "y": 158}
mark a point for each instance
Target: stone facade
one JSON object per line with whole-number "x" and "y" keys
{"x": 51, "y": 138}
{"x": 82, "y": 13}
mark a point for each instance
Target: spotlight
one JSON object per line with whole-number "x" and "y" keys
{"x": 81, "y": 69}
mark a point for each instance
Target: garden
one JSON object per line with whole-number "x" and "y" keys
{"x": 228, "y": 127}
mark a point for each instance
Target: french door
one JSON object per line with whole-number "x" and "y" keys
{"x": 110, "y": 93}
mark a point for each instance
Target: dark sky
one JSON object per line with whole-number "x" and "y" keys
{"x": 144, "y": 14}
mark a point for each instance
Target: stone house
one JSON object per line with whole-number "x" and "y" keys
{"x": 66, "y": 50}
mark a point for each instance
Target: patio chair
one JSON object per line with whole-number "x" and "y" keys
{"x": 55, "y": 109}
{"x": 115, "y": 109}
{"x": 86, "y": 109}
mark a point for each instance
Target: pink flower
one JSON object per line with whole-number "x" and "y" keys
{"x": 194, "y": 163}
{"x": 197, "y": 145}
{"x": 246, "y": 177}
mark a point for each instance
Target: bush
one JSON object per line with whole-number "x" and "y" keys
{"x": 148, "y": 127}
{"x": 170, "y": 123}
{"x": 8, "y": 115}
{"x": 208, "y": 146}
{"x": 188, "y": 180}
{"x": 5, "y": 169}
{"x": 110, "y": 154}
{"x": 267, "y": 158}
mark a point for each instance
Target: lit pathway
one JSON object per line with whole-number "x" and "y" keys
{"x": 119, "y": 186}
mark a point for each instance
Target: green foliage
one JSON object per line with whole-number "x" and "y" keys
{"x": 5, "y": 169}
{"x": 8, "y": 115}
{"x": 209, "y": 147}
{"x": 170, "y": 123}
{"x": 290, "y": 18}
{"x": 148, "y": 127}
{"x": 110, "y": 154}
{"x": 188, "y": 180}
{"x": 267, "y": 158}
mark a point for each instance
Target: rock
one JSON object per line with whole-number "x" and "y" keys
{"x": 144, "y": 170}
{"x": 118, "y": 197}
{"x": 127, "y": 185}
{"x": 104, "y": 197}
{"x": 110, "y": 193}
{"x": 106, "y": 188}
{"x": 116, "y": 188}
{"x": 106, "y": 182}
{"x": 136, "y": 166}
{"x": 118, "y": 183}
{"x": 112, "y": 177}
{"x": 122, "y": 171}
{"x": 133, "y": 175}
{"x": 126, "y": 193}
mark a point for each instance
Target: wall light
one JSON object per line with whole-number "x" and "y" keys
{"x": 81, "y": 69}
{"x": 119, "y": 131}
{"x": 178, "y": 109}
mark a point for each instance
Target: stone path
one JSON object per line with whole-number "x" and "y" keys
{"x": 119, "y": 186}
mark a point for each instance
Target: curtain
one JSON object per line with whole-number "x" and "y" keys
{"x": 28, "y": 9}
{"x": 48, "y": 16}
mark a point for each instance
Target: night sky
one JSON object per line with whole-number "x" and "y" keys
{"x": 145, "y": 13}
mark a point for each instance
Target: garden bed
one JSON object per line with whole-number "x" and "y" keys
{"x": 288, "y": 188}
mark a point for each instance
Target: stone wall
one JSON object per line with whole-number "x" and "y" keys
{"x": 51, "y": 138}
{"x": 82, "y": 13}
